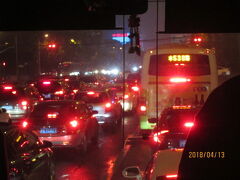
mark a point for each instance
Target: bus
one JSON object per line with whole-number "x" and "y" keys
{"x": 186, "y": 75}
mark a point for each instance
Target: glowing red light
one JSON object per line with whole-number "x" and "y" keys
{"x": 135, "y": 88}
{"x": 52, "y": 45}
{"x": 52, "y": 116}
{"x": 197, "y": 39}
{"x": 75, "y": 91}
{"x": 120, "y": 35}
{"x": 189, "y": 124}
{"x": 179, "y": 80}
{"x": 46, "y": 83}
{"x": 74, "y": 123}
{"x": 14, "y": 92}
{"x": 171, "y": 176}
{"x": 24, "y": 143}
{"x": 66, "y": 80}
{"x": 90, "y": 93}
{"x": 143, "y": 108}
{"x": 59, "y": 92}
{"x": 8, "y": 87}
{"x": 24, "y": 124}
{"x": 24, "y": 103}
{"x": 126, "y": 96}
{"x": 108, "y": 105}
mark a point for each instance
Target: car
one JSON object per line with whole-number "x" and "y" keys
{"x": 163, "y": 166}
{"x": 50, "y": 89}
{"x": 174, "y": 126}
{"x": 17, "y": 101}
{"x": 90, "y": 80}
{"x": 109, "y": 110}
{"x": 65, "y": 123}
{"x": 130, "y": 97}
{"x": 27, "y": 156}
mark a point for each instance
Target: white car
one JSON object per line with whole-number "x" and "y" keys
{"x": 163, "y": 166}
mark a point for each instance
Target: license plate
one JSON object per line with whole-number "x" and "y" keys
{"x": 48, "y": 130}
{"x": 47, "y": 95}
{"x": 182, "y": 143}
{"x": 7, "y": 107}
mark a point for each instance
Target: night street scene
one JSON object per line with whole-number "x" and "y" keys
{"x": 118, "y": 103}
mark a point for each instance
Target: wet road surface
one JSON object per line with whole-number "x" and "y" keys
{"x": 99, "y": 162}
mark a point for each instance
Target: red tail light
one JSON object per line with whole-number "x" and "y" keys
{"x": 14, "y": 92}
{"x": 90, "y": 93}
{"x": 75, "y": 91}
{"x": 126, "y": 96}
{"x": 143, "y": 108}
{"x": 135, "y": 88}
{"x": 66, "y": 80}
{"x": 171, "y": 176}
{"x": 73, "y": 123}
{"x": 52, "y": 116}
{"x": 179, "y": 80}
{"x": 59, "y": 92}
{"x": 189, "y": 124}
{"x": 108, "y": 105}
{"x": 24, "y": 124}
{"x": 8, "y": 87}
{"x": 24, "y": 104}
{"x": 46, "y": 82}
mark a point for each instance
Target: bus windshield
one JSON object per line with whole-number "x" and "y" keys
{"x": 190, "y": 65}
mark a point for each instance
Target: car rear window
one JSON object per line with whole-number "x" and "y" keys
{"x": 48, "y": 86}
{"x": 41, "y": 110}
{"x": 94, "y": 97}
{"x": 178, "y": 118}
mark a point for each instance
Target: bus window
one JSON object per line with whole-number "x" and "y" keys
{"x": 193, "y": 65}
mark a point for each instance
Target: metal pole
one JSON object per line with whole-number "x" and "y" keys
{"x": 16, "y": 51}
{"x": 157, "y": 66}
{"x": 39, "y": 58}
{"x": 123, "y": 109}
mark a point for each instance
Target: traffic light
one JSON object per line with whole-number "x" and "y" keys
{"x": 52, "y": 46}
{"x": 197, "y": 40}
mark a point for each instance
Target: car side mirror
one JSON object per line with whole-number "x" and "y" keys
{"x": 46, "y": 144}
{"x": 152, "y": 120}
{"x": 132, "y": 172}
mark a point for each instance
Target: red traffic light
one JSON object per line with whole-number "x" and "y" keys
{"x": 52, "y": 45}
{"x": 197, "y": 39}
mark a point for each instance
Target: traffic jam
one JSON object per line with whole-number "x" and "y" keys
{"x": 115, "y": 104}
